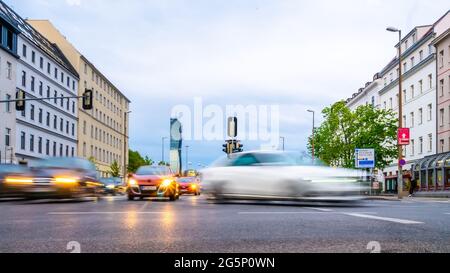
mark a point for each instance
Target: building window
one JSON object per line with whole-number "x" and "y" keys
{"x": 47, "y": 147}
{"x": 73, "y": 107}
{"x": 56, "y": 73}
{"x": 61, "y": 146}
{"x": 420, "y": 145}
{"x": 32, "y": 112}
{"x": 62, "y": 77}
{"x": 67, "y": 150}
{"x": 55, "y": 95}
{"x": 412, "y": 61}
{"x": 48, "y": 91}
{"x": 41, "y": 88}
{"x": 8, "y": 104}
{"x": 8, "y": 70}
{"x": 40, "y": 115}
{"x": 33, "y": 56}
{"x": 24, "y": 51}
{"x": 22, "y": 140}
{"x": 61, "y": 103}
{"x": 441, "y": 145}
{"x": 411, "y": 116}
{"x": 67, "y": 127}
{"x": 412, "y": 147}
{"x": 31, "y": 143}
{"x": 405, "y": 67}
{"x": 420, "y": 116}
{"x": 40, "y": 145}
{"x": 430, "y": 81}
{"x": 32, "y": 83}
{"x": 61, "y": 125}
{"x": 54, "y": 148}
{"x": 7, "y": 137}
{"x": 73, "y": 152}
{"x": 24, "y": 79}
{"x": 47, "y": 121}
{"x": 412, "y": 91}
{"x": 84, "y": 127}
{"x": 430, "y": 142}
{"x": 55, "y": 122}
{"x": 41, "y": 63}
{"x": 420, "y": 86}
{"x": 441, "y": 59}
{"x": 48, "y": 68}
{"x": 390, "y": 103}
{"x": 84, "y": 149}
{"x": 404, "y": 96}
{"x": 441, "y": 87}
{"x": 430, "y": 110}
{"x": 441, "y": 117}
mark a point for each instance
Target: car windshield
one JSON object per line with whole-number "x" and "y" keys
{"x": 65, "y": 163}
{"x": 185, "y": 179}
{"x": 111, "y": 181}
{"x": 12, "y": 169}
{"x": 266, "y": 159}
{"x": 153, "y": 170}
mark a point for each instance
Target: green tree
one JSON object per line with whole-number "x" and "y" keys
{"x": 163, "y": 163}
{"x": 135, "y": 160}
{"x": 148, "y": 161}
{"x": 343, "y": 130}
{"x": 93, "y": 161}
{"x": 114, "y": 169}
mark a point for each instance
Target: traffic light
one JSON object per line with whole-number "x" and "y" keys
{"x": 87, "y": 100}
{"x": 226, "y": 148}
{"x": 238, "y": 147}
{"x": 20, "y": 102}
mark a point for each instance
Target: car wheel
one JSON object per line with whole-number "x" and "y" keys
{"x": 173, "y": 197}
{"x": 130, "y": 197}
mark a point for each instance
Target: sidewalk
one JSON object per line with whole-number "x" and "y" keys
{"x": 425, "y": 196}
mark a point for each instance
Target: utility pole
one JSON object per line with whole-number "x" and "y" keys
{"x": 313, "y": 132}
{"x": 125, "y": 145}
{"x": 400, "y": 112}
{"x": 162, "y": 148}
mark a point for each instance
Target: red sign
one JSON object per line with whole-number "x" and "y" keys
{"x": 403, "y": 136}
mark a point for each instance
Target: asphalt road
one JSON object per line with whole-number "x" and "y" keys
{"x": 194, "y": 225}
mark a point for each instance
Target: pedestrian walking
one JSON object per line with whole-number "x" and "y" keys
{"x": 412, "y": 186}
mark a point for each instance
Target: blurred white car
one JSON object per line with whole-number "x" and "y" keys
{"x": 277, "y": 175}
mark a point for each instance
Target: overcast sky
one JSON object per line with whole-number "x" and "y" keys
{"x": 296, "y": 54}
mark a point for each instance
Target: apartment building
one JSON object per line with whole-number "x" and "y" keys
{"x": 102, "y": 131}
{"x": 426, "y": 104}
{"x": 8, "y": 67}
{"x": 46, "y": 127}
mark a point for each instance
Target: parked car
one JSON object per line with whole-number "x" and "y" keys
{"x": 277, "y": 175}
{"x": 113, "y": 185}
{"x": 14, "y": 179}
{"x": 189, "y": 185}
{"x": 153, "y": 181}
{"x": 65, "y": 177}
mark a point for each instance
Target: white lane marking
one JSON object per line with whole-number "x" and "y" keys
{"x": 320, "y": 209}
{"x": 395, "y": 220}
{"x": 104, "y": 212}
{"x": 278, "y": 212}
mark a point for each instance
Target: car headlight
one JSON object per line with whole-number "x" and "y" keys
{"x": 66, "y": 180}
{"x": 193, "y": 186}
{"x": 132, "y": 182}
{"x": 18, "y": 180}
{"x": 110, "y": 186}
{"x": 166, "y": 183}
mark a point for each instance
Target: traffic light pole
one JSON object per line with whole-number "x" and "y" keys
{"x": 34, "y": 99}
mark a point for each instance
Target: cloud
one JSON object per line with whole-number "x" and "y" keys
{"x": 73, "y": 2}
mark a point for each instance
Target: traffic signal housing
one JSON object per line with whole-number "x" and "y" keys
{"x": 87, "y": 100}
{"x": 20, "y": 100}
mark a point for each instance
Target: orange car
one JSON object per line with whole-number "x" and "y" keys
{"x": 153, "y": 181}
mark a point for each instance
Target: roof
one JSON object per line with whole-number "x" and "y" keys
{"x": 104, "y": 77}
{"x": 36, "y": 38}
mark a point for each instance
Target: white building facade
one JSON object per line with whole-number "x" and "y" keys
{"x": 8, "y": 67}
{"x": 47, "y": 128}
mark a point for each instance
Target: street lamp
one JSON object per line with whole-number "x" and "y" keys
{"x": 162, "y": 148}
{"x": 187, "y": 157}
{"x": 282, "y": 138}
{"x": 312, "y": 140}
{"x": 125, "y": 143}
{"x": 400, "y": 114}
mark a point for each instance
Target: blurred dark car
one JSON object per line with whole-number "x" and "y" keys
{"x": 14, "y": 179}
{"x": 153, "y": 181}
{"x": 113, "y": 186}
{"x": 65, "y": 177}
{"x": 189, "y": 185}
